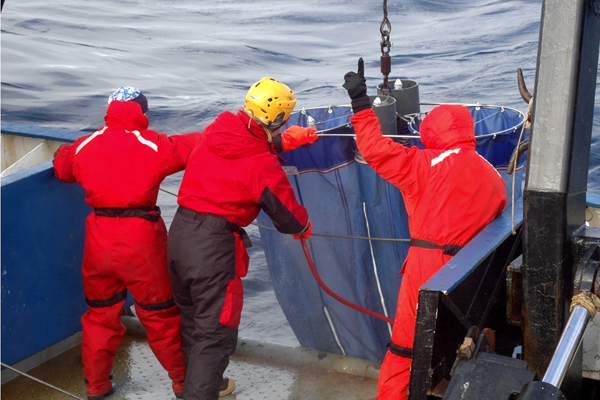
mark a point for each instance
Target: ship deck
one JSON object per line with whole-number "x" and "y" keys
{"x": 260, "y": 370}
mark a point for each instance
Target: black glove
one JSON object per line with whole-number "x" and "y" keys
{"x": 356, "y": 85}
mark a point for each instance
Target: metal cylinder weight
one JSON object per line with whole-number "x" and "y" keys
{"x": 386, "y": 112}
{"x": 407, "y": 99}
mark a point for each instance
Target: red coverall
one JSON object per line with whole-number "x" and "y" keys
{"x": 451, "y": 193}
{"x": 121, "y": 167}
{"x": 231, "y": 175}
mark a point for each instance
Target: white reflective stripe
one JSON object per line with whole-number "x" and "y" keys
{"x": 148, "y": 143}
{"x": 86, "y": 141}
{"x": 441, "y": 157}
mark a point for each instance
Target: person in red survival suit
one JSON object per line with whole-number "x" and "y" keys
{"x": 232, "y": 174}
{"x": 450, "y": 192}
{"x": 121, "y": 167}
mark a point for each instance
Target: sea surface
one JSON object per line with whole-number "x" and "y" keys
{"x": 194, "y": 59}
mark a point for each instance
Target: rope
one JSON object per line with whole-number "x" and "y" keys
{"x": 339, "y": 236}
{"x": 322, "y": 234}
{"x": 335, "y": 296}
{"x": 318, "y": 278}
{"x": 528, "y": 125}
{"x": 588, "y": 300}
{"x": 40, "y": 381}
{"x": 166, "y": 191}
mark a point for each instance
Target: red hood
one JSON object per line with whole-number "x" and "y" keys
{"x": 229, "y": 136}
{"x": 125, "y": 115}
{"x": 447, "y": 127}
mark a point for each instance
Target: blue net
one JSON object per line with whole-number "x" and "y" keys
{"x": 348, "y": 203}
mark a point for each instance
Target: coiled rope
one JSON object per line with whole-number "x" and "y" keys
{"x": 587, "y": 300}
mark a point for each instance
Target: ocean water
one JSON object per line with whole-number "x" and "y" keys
{"x": 195, "y": 59}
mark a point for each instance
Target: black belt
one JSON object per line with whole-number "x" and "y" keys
{"x": 449, "y": 249}
{"x": 230, "y": 226}
{"x": 140, "y": 212}
{"x": 405, "y": 352}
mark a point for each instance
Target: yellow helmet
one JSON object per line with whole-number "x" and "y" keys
{"x": 270, "y": 102}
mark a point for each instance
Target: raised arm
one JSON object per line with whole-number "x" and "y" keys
{"x": 174, "y": 152}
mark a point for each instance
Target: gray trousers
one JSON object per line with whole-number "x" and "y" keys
{"x": 201, "y": 253}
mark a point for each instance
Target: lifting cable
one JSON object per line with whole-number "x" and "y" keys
{"x": 386, "y": 61}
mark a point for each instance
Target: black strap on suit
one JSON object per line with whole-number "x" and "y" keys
{"x": 449, "y": 249}
{"x": 405, "y": 352}
{"x": 140, "y": 212}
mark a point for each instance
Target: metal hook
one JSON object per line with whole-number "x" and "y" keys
{"x": 522, "y": 88}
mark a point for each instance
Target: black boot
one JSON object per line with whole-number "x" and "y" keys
{"x": 113, "y": 388}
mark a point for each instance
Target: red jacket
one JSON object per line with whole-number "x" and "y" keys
{"x": 122, "y": 164}
{"x": 451, "y": 193}
{"x": 233, "y": 173}
{"x": 449, "y": 190}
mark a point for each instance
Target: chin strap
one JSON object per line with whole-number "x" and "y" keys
{"x": 269, "y": 133}
{"x": 259, "y": 123}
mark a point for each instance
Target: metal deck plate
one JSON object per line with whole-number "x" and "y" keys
{"x": 139, "y": 376}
